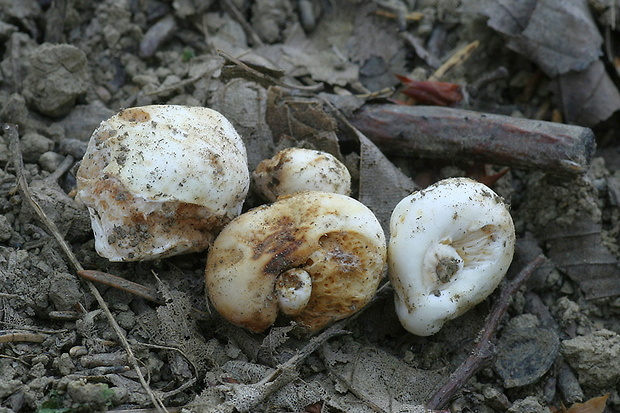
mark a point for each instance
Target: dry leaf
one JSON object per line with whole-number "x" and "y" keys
{"x": 586, "y": 97}
{"x": 579, "y": 251}
{"x": 594, "y": 405}
{"x": 558, "y": 35}
{"x": 429, "y": 92}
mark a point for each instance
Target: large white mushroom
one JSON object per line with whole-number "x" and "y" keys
{"x": 298, "y": 169}
{"x": 315, "y": 256}
{"x": 162, "y": 180}
{"x": 451, "y": 244}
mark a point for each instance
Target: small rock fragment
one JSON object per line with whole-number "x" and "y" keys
{"x": 528, "y": 405}
{"x": 58, "y": 74}
{"x": 34, "y": 145}
{"x": 595, "y": 358}
{"x": 525, "y": 355}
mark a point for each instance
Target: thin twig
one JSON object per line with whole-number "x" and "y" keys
{"x": 485, "y": 349}
{"x": 18, "y": 164}
{"x": 266, "y": 78}
{"x": 123, "y": 284}
{"x": 21, "y": 336}
{"x": 458, "y": 58}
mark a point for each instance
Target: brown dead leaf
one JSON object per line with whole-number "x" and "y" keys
{"x": 558, "y": 35}
{"x": 586, "y": 97}
{"x": 297, "y": 121}
{"x": 594, "y": 405}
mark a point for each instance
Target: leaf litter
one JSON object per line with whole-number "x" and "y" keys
{"x": 192, "y": 358}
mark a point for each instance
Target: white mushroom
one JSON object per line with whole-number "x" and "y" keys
{"x": 451, "y": 245}
{"x": 297, "y": 169}
{"x": 316, "y": 256}
{"x": 162, "y": 180}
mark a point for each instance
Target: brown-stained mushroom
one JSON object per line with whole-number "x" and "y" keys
{"x": 296, "y": 169}
{"x": 316, "y": 256}
{"x": 162, "y": 180}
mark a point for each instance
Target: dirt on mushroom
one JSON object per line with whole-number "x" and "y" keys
{"x": 67, "y": 65}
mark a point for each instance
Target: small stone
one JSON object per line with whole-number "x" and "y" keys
{"x": 58, "y": 75}
{"x": 528, "y": 405}
{"x": 495, "y": 398}
{"x": 5, "y": 229}
{"x": 66, "y": 366}
{"x": 64, "y": 291}
{"x": 73, "y": 147}
{"x": 34, "y": 145}
{"x": 83, "y": 120}
{"x": 595, "y": 358}
{"x": 525, "y": 355}
{"x": 97, "y": 395}
{"x": 50, "y": 161}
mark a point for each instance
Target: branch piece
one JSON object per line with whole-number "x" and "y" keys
{"x": 485, "y": 349}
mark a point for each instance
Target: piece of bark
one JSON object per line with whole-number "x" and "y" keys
{"x": 448, "y": 133}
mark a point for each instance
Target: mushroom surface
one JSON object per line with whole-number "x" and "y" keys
{"x": 297, "y": 169}
{"x": 316, "y": 256}
{"x": 451, "y": 244}
{"x": 162, "y": 180}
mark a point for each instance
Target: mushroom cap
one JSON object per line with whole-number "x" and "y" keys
{"x": 162, "y": 180}
{"x": 297, "y": 169}
{"x": 335, "y": 239}
{"x": 451, "y": 244}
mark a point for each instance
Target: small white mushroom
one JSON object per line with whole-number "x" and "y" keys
{"x": 451, "y": 244}
{"x": 162, "y": 180}
{"x": 297, "y": 169}
{"x": 316, "y": 256}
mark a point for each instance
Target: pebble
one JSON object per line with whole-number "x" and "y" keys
{"x": 568, "y": 384}
{"x": 33, "y": 145}
{"x": 73, "y": 147}
{"x": 5, "y": 229}
{"x": 528, "y": 405}
{"x": 595, "y": 358}
{"x": 58, "y": 75}
{"x": 50, "y": 161}
{"x": 525, "y": 355}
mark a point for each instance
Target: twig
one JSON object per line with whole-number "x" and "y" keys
{"x": 485, "y": 349}
{"x": 120, "y": 283}
{"x": 18, "y": 164}
{"x": 456, "y": 59}
{"x": 265, "y": 78}
{"x": 236, "y": 14}
{"x": 449, "y": 133}
{"x": 15, "y": 336}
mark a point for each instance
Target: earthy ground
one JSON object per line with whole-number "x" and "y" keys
{"x": 69, "y": 64}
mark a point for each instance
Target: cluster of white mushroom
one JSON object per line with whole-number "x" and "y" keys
{"x": 165, "y": 180}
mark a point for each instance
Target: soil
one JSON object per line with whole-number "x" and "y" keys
{"x": 69, "y": 64}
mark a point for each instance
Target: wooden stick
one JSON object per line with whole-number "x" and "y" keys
{"x": 449, "y": 133}
{"x": 485, "y": 349}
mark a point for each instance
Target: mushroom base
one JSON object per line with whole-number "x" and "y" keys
{"x": 133, "y": 228}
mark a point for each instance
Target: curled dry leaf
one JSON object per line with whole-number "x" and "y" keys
{"x": 594, "y": 405}
{"x": 429, "y": 92}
